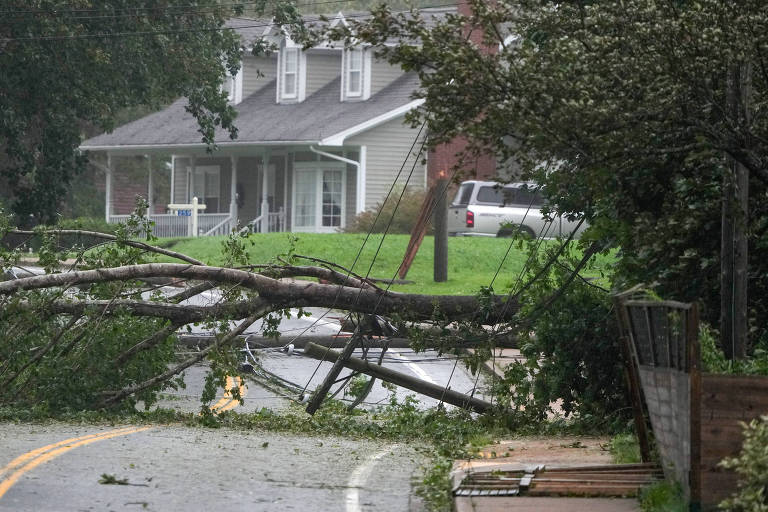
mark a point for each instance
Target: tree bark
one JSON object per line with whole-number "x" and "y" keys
{"x": 296, "y": 294}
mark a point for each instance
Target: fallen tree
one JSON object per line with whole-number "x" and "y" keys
{"x": 102, "y": 333}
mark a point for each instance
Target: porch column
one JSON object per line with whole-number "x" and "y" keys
{"x": 360, "y": 192}
{"x": 173, "y": 178}
{"x": 233, "y": 191}
{"x": 264, "y": 193}
{"x": 191, "y": 194}
{"x": 108, "y": 187}
{"x": 150, "y": 193}
{"x": 193, "y": 167}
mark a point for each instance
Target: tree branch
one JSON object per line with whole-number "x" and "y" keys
{"x": 116, "y": 396}
{"x": 298, "y": 294}
{"x": 106, "y": 236}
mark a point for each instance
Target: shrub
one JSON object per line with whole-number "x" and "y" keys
{"x": 752, "y": 467}
{"x": 87, "y": 224}
{"x": 405, "y": 213}
{"x": 571, "y": 350}
{"x": 714, "y": 361}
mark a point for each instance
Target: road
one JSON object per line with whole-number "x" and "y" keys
{"x": 165, "y": 468}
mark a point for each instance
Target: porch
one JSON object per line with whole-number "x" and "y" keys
{"x": 264, "y": 190}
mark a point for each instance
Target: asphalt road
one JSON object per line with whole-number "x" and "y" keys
{"x": 168, "y": 468}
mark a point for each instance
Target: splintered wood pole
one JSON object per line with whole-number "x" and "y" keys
{"x": 417, "y": 234}
{"x": 734, "y": 325}
{"x": 440, "y": 218}
{"x": 406, "y": 381}
{"x": 339, "y": 360}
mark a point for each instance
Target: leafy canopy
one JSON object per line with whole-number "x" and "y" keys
{"x": 618, "y": 107}
{"x": 70, "y": 66}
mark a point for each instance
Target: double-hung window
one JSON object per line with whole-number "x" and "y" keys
{"x": 355, "y": 72}
{"x": 290, "y": 73}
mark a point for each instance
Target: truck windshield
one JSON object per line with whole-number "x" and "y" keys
{"x": 463, "y": 195}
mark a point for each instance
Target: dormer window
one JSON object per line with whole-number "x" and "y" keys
{"x": 356, "y": 75}
{"x": 291, "y": 73}
{"x": 233, "y": 86}
{"x": 292, "y": 68}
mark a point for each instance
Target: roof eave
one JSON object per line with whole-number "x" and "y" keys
{"x": 339, "y": 138}
{"x": 191, "y": 146}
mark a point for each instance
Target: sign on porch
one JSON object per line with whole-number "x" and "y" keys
{"x": 190, "y": 210}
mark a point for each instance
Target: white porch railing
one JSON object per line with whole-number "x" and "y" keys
{"x": 224, "y": 227}
{"x": 171, "y": 225}
{"x": 275, "y": 223}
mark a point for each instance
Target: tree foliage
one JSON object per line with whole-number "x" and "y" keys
{"x": 572, "y": 364}
{"x": 619, "y": 107}
{"x": 66, "y": 66}
{"x": 102, "y": 334}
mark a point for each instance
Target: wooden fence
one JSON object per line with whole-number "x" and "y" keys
{"x": 696, "y": 417}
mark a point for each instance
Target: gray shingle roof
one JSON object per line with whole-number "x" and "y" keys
{"x": 262, "y": 121}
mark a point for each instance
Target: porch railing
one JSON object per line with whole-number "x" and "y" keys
{"x": 222, "y": 228}
{"x": 275, "y": 222}
{"x": 170, "y": 225}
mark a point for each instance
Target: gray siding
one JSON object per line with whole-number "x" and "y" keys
{"x": 383, "y": 74}
{"x": 322, "y": 68}
{"x": 252, "y": 82}
{"x": 388, "y": 147}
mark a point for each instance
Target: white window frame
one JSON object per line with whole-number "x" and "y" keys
{"x": 348, "y": 94}
{"x": 233, "y": 85}
{"x": 285, "y": 72}
{"x": 351, "y": 54}
{"x": 297, "y": 74}
{"x": 317, "y": 168}
{"x": 203, "y": 171}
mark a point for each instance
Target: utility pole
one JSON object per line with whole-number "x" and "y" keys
{"x": 440, "y": 219}
{"x": 734, "y": 318}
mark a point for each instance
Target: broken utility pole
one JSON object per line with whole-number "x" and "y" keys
{"x": 338, "y": 359}
{"x": 406, "y": 381}
{"x": 734, "y": 323}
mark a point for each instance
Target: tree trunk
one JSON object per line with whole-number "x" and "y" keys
{"x": 290, "y": 294}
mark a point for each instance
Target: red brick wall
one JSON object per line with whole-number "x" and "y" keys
{"x": 444, "y": 157}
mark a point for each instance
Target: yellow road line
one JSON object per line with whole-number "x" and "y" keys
{"x": 227, "y": 402}
{"x": 18, "y": 461}
{"x": 227, "y": 395}
{"x": 46, "y": 453}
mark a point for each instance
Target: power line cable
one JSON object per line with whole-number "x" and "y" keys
{"x": 370, "y": 231}
{"x": 113, "y": 35}
{"x": 58, "y": 12}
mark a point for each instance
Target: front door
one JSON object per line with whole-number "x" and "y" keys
{"x": 319, "y": 199}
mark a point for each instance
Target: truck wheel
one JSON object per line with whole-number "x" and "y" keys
{"x": 510, "y": 231}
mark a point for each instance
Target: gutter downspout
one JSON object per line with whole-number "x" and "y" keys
{"x": 357, "y": 165}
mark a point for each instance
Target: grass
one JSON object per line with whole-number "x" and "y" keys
{"x": 662, "y": 497}
{"x": 625, "y": 449}
{"x": 472, "y": 262}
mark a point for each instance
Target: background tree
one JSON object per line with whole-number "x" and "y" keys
{"x": 65, "y": 66}
{"x": 619, "y": 108}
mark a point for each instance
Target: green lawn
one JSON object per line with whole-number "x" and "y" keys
{"x": 472, "y": 262}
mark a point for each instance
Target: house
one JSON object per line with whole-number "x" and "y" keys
{"x": 321, "y": 138}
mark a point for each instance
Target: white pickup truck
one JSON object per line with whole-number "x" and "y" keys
{"x": 488, "y": 208}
